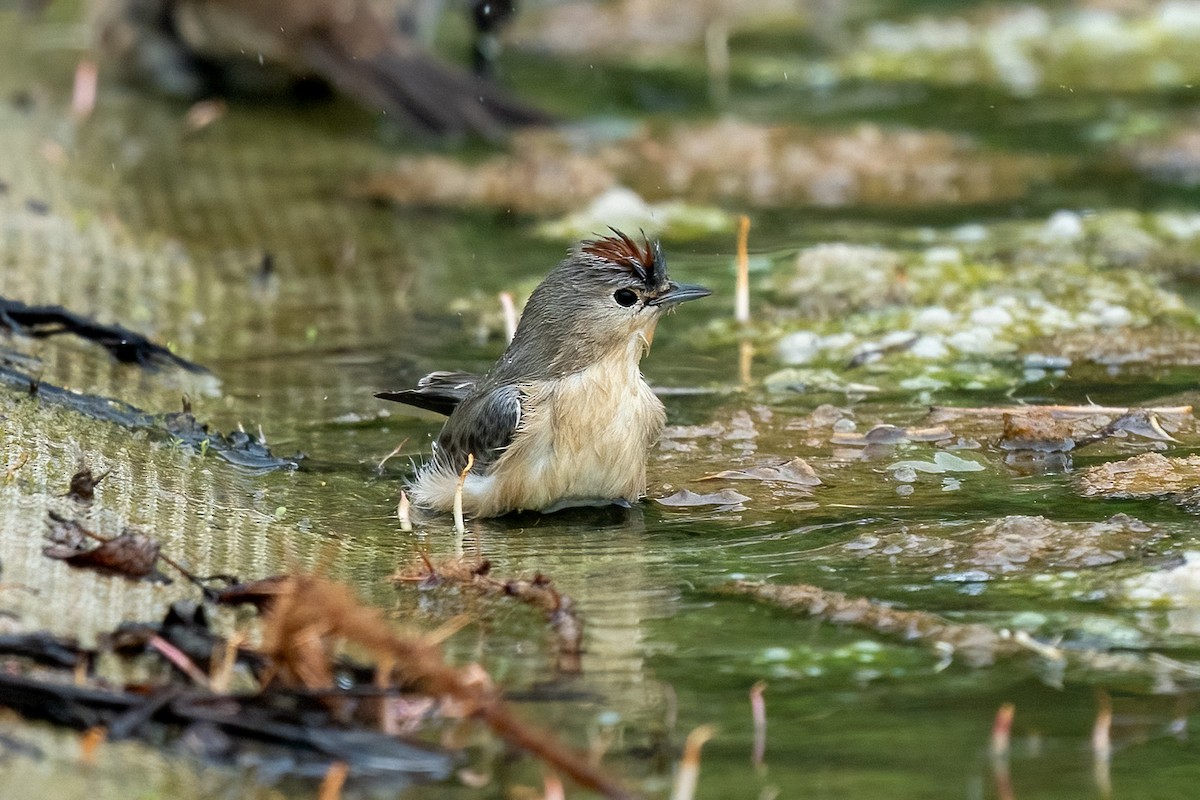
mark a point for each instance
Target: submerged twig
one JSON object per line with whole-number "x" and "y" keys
{"x": 741, "y": 293}
{"x": 1002, "y": 730}
{"x": 1001, "y": 736}
{"x": 334, "y": 780}
{"x": 1102, "y": 744}
{"x": 758, "y": 712}
{"x": 941, "y": 413}
{"x": 689, "y": 766}
{"x": 395, "y": 452}
{"x": 179, "y": 660}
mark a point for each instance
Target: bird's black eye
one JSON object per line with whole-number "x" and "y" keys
{"x": 625, "y": 297}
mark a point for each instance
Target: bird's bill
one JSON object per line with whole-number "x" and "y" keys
{"x": 680, "y": 293}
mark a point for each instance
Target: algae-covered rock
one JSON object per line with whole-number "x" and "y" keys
{"x": 1177, "y": 587}
{"x": 724, "y": 162}
{"x": 1146, "y": 475}
{"x": 624, "y": 209}
{"x": 823, "y": 283}
{"x": 985, "y": 309}
{"x": 1025, "y": 50}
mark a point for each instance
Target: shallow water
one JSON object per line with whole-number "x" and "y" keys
{"x": 166, "y": 231}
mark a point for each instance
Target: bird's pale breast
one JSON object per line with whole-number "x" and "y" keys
{"x": 582, "y": 439}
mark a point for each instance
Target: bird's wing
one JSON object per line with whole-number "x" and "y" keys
{"x": 483, "y": 425}
{"x": 437, "y": 391}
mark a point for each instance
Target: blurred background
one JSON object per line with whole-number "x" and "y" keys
{"x": 976, "y": 205}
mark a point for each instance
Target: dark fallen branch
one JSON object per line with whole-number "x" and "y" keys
{"x": 250, "y": 728}
{"x": 182, "y": 427}
{"x": 314, "y": 708}
{"x": 124, "y": 345}
{"x": 43, "y": 648}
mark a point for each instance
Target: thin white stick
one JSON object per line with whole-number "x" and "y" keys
{"x": 459, "y": 525}
{"x": 689, "y": 766}
{"x": 404, "y": 512}
{"x": 510, "y": 315}
{"x": 741, "y": 294}
{"x": 1102, "y": 746}
{"x": 83, "y": 92}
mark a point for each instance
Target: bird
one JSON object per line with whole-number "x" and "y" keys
{"x": 564, "y": 418}
{"x": 194, "y": 48}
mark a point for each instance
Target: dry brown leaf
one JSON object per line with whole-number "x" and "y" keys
{"x": 132, "y": 555}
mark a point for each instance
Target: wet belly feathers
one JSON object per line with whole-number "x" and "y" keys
{"x": 582, "y": 440}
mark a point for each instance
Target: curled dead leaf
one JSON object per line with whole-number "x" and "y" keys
{"x": 132, "y": 555}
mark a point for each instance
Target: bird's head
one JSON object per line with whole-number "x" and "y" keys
{"x": 605, "y": 297}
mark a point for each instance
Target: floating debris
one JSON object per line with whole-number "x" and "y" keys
{"x": 1063, "y": 429}
{"x": 884, "y": 434}
{"x": 83, "y": 485}
{"x": 309, "y": 615}
{"x": 977, "y": 645}
{"x": 942, "y": 462}
{"x": 314, "y": 708}
{"x": 1041, "y": 430}
{"x": 686, "y": 498}
{"x": 266, "y": 729}
{"x": 796, "y": 473}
